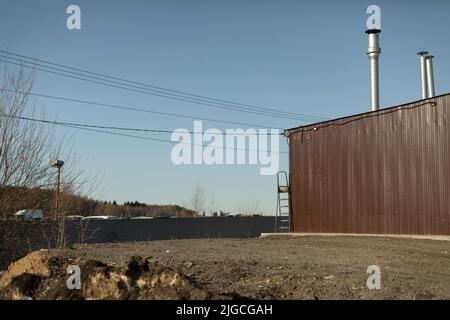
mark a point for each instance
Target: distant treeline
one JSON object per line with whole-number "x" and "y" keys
{"x": 135, "y": 209}
{"x": 72, "y": 204}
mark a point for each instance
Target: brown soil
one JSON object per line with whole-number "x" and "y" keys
{"x": 139, "y": 280}
{"x": 277, "y": 268}
{"x": 36, "y": 263}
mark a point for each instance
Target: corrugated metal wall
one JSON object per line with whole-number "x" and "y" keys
{"x": 385, "y": 172}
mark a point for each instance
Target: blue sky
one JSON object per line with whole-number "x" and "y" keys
{"x": 306, "y": 57}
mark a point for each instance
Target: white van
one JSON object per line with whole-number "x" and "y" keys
{"x": 30, "y": 214}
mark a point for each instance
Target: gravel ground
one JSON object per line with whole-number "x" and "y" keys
{"x": 297, "y": 268}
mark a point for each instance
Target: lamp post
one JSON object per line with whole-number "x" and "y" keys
{"x": 58, "y": 165}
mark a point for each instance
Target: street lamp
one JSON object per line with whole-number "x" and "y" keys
{"x": 58, "y": 165}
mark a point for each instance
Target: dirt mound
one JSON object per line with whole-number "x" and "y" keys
{"x": 36, "y": 263}
{"x": 41, "y": 276}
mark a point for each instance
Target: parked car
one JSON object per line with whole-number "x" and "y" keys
{"x": 74, "y": 218}
{"x": 30, "y": 214}
{"x": 100, "y": 218}
{"x": 141, "y": 218}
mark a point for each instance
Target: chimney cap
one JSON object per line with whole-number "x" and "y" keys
{"x": 370, "y": 31}
{"x": 429, "y": 56}
{"x": 422, "y": 53}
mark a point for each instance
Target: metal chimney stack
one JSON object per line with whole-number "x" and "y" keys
{"x": 430, "y": 76}
{"x": 374, "y": 52}
{"x": 423, "y": 73}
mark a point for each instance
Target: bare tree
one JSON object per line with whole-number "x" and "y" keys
{"x": 26, "y": 150}
{"x": 198, "y": 199}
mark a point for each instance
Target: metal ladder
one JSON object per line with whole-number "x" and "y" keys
{"x": 282, "y": 221}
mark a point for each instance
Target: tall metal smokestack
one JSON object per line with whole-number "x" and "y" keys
{"x": 430, "y": 76}
{"x": 374, "y": 52}
{"x": 423, "y": 73}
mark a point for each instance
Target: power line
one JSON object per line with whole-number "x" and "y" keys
{"x": 169, "y": 141}
{"x": 140, "y": 89}
{"x": 119, "y": 128}
{"x": 134, "y": 109}
{"x": 143, "y": 91}
{"x": 74, "y": 126}
{"x": 166, "y": 90}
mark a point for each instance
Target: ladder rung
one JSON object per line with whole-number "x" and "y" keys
{"x": 283, "y": 214}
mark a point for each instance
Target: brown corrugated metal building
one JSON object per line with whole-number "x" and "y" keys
{"x": 382, "y": 172}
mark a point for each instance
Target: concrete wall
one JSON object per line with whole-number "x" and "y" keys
{"x": 101, "y": 231}
{"x": 43, "y": 234}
